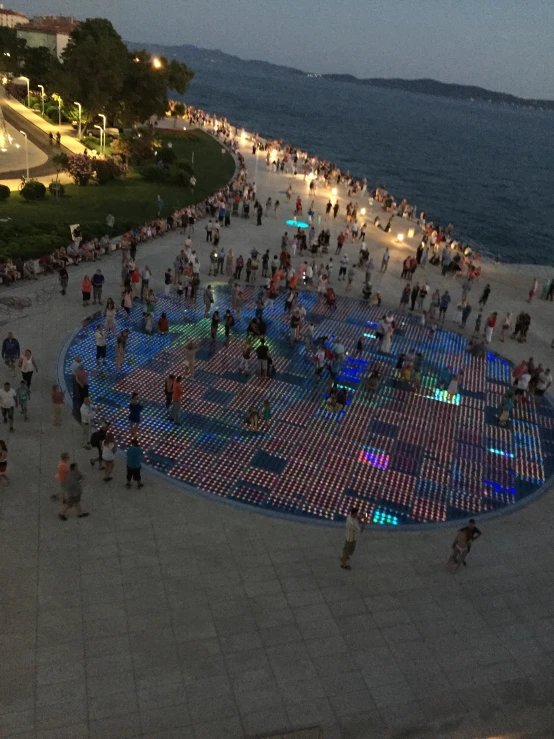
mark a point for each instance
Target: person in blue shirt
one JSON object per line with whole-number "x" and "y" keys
{"x": 11, "y": 351}
{"x": 97, "y": 285}
{"x": 135, "y": 458}
{"x": 135, "y": 409}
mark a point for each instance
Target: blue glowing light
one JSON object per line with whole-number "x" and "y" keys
{"x": 499, "y": 451}
{"x": 297, "y": 224}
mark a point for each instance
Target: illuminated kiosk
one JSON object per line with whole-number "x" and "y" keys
{"x": 404, "y": 457}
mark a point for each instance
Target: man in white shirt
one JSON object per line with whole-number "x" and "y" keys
{"x": 88, "y": 413}
{"x": 543, "y": 382}
{"x": 354, "y": 528}
{"x": 522, "y": 386}
{"x": 8, "y": 401}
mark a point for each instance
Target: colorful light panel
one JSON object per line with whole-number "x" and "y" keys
{"x": 398, "y": 454}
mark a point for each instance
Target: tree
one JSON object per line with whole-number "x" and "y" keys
{"x": 11, "y": 50}
{"x": 39, "y": 65}
{"x": 177, "y": 111}
{"x": 99, "y": 71}
{"x": 94, "y": 65}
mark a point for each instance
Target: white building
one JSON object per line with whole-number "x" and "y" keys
{"x": 11, "y": 18}
{"x": 49, "y": 31}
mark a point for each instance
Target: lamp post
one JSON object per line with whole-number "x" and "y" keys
{"x": 101, "y": 115}
{"x": 59, "y": 111}
{"x": 42, "y": 97}
{"x": 101, "y": 134}
{"x": 80, "y": 111}
{"x": 26, "y": 152}
{"x": 28, "y": 90}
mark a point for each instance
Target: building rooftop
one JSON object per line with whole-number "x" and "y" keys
{"x": 7, "y": 11}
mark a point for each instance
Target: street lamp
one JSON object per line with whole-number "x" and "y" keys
{"x": 42, "y": 97}
{"x": 156, "y": 63}
{"x": 28, "y": 90}
{"x": 101, "y": 115}
{"x": 80, "y": 111}
{"x": 101, "y": 134}
{"x": 26, "y": 151}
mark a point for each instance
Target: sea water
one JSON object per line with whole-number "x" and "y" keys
{"x": 488, "y": 169}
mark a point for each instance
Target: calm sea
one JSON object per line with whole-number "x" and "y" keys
{"x": 488, "y": 169}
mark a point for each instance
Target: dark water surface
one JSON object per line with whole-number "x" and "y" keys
{"x": 489, "y": 169}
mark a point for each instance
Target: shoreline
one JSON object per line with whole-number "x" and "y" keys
{"x": 211, "y": 124}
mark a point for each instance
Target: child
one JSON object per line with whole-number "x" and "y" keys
{"x": 23, "y": 398}
{"x": 452, "y": 389}
{"x": 267, "y": 413}
{"x": 163, "y": 324}
{"x": 148, "y": 323}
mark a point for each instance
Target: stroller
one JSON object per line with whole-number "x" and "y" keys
{"x": 331, "y": 298}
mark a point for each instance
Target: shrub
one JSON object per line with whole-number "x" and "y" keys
{"x": 4, "y": 192}
{"x": 80, "y": 168}
{"x": 165, "y": 155}
{"x": 56, "y": 188}
{"x": 154, "y": 173}
{"x": 33, "y": 190}
{"x": 108, "y": 170}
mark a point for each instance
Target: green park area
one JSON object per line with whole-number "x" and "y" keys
{"x": 119, "y": 90}
{"x": 37, "y": 227}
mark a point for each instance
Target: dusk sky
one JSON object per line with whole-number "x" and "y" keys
{"x": 505, "y": 45}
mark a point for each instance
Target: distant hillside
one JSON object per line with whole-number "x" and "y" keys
{"x": 201, "y": 58}
{"x": 444, "y": 89}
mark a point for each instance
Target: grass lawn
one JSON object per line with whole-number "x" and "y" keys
{"x": 35, "y": 226}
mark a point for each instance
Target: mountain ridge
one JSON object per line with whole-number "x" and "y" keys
{"x": 421, "y": 86}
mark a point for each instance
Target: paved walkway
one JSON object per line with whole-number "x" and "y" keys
{"x": 166, "y": 615}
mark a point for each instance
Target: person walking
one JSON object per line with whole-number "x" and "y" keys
{"x": 73, "y": 492}
{"x": 191, "y": 349}
{"x": 22, "y": 396}
{"x": 97, "y": 285}
{"x": 466, "y": 310}
{"x": 10, "y": 352}
{"x": 57, "y": 404}
{"x": 228, "y": 323}
{"x": 109, "y": 448}
{"x": 385, "y": 260}
{"x": 462, "y": 545}
{"x": 135, "y": 458}
{"x": 354, "y": 527}
{"x": 176, "y": 396}
{"x": 81, "y": 378}
{"x": 96, "y": 440}
{"x": 8, "y": 402}
{"x": 443, "y": 305}
{"x": 109, "y": 317}
{"x": 63, "y": 277}
{"x": 62, "y": 471}
{"x": 100, "y": 340}
{"x": 533, "y": 290}
{"x": 208, "y": 300}
{"x": 485, "y": 295}
{"x": 27, "y": 365}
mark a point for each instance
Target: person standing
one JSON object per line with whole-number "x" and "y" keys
{"x": 8, "y": 402}
{"x": 385, "y": 260}
{"x": 190, "y": 355}
{"x": 443, "y": 306}
{"x": 168, "y": 390}
{"x": 462, "y": 544}
{"x": 533, "y": 290}
{"x": 62, "y": 472}
{"x": 27, "y": 365}
{"x": 176, "y": 396}
{"x": 262, "y": 352}
{"x": 86, "y": 288}
{"x": 81, "y": 378}
{"x": 73, "y": 492}
{"x": 100, "y": 339}
{"x": 4, "y": 479}
{"x": 97, "y": 285}
{"x": 10, "y": 351}
{"x": 214, "y": 325}
{"x": 135, "y": 458}
{"x": 96, "y": 439}
{"x": 108, "y": 455}
{"x": 489, "y": 330}
{"x": 228, "y": 323}
{"x": 145, "y": 277}
{"x": 88, "y": 413}
{"x": 135, "y": 409}
{"x": 354, "y": 527}
{"x": 168, "y": 282}
{"x": 64, "y": 279}
{"x": 466, "y": 310}
{"x": 506, "y": 325}
{"x": 208, "y": 300}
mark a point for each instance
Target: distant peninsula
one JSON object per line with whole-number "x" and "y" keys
{"x": 197, "y": 57}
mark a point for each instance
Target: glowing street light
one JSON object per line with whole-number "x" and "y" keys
{"x": 80, "y": 116}
{"x": 42, "y": 97}
{"x": 101, "y": 115}
{"x": 334, "y": 191}
{"x": 400, "y": 238}
{"x": 28, "y": 90}
{"x": 156, "y": 63}
{"x": 26, "y": 152}
{"x": 101, "y": 135}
